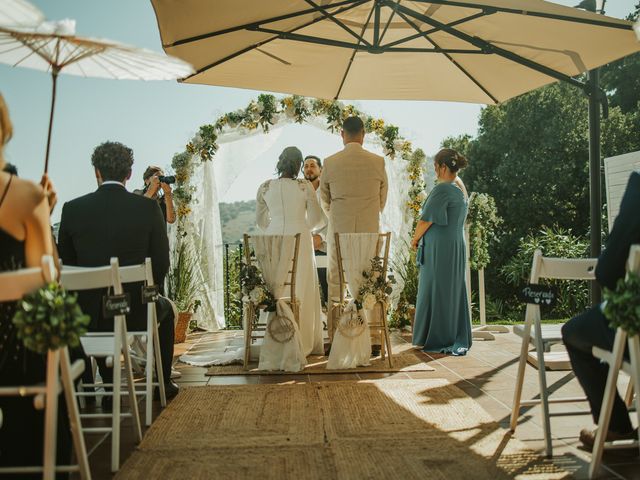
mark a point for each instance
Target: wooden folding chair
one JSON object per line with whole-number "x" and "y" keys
{"x": 544, "y": 337}
{"x": 59, "y": 378}
{"x": 109, "y": 345}
{"x": 251, "y": 315}
{"x": 615, "y": 359}
{"x": 384, "y": 244}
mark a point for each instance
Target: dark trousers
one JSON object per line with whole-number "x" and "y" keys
{"x": 322, "y": 278}
{"x": 166, "y": 334}
{"x": 580, "y": 334}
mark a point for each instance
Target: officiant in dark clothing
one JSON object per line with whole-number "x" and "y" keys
{"x": 591, "y": 328}
{"x": 112, "y": 222}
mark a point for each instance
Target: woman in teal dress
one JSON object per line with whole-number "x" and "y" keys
{"x": 442, "y": 322}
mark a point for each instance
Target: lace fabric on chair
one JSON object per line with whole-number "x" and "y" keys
{"x": 352, "y": 343}
{"x": 282, "y": 348}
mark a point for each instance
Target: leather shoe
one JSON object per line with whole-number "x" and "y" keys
{"x": 588, "y": 439}
{"x": 171, "y": 389}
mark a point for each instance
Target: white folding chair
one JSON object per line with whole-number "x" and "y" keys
{"x": 59, "y": 378}
{"x": 615, "y": 359}
{"x": 544, "y": 336}
{"x": 109, "y": 345}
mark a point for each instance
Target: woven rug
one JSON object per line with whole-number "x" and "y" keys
{"x": 409, "y": 429}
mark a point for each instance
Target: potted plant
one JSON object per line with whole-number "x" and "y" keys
{"x": 183, "y": 287}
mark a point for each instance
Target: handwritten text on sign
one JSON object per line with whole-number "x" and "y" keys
{"x": 538, "y": 295}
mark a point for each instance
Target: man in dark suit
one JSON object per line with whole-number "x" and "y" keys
{"x": 591, "y": 328}
{"x": 111, "y": 222}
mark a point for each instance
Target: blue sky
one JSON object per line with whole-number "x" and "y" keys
{"x": 157, "y": 118}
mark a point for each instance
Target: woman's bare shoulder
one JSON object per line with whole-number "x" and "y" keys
{"x": 24, "y": 195}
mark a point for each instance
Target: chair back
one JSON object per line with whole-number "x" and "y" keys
{"x": 15, "y": 284}
{"x": 89, "y": 278}
{"x": 291, "y": 277}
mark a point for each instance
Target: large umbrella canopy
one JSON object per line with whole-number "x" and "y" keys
{"x": 480, "y": 51}
{"x": 19, "y": 13}
{"x": 53, "y": 47}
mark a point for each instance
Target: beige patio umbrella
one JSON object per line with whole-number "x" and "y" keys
{"x": 54, "y": 47}
{"x": 19, "y": 13}
{"x": 480, "y": 51}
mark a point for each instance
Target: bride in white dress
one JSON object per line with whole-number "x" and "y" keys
{"x": 287, "y": 206}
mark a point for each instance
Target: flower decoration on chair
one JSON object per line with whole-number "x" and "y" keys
{"x": 622, "y": 305}
{"x": 50, "y": 318}
{"x": 254, "y": 289}
{"x": 376, "y": 287}
{"x": 483, "y": 221}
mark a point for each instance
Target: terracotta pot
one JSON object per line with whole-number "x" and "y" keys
{"x": 182, "y": 326}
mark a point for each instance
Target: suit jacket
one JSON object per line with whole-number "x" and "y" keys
{"x": 353, "y": 187}
{"x": 625, "y": 232}
{"x": 112, "y": 222}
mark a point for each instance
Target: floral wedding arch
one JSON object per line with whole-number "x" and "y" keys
{"x": 198, "y": 225}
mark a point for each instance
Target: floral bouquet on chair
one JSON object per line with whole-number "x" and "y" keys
{"x": 375, "y": 288}
{"x": 254, "y": 290}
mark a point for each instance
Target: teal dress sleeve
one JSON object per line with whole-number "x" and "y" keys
{"x": 435, "y": 207}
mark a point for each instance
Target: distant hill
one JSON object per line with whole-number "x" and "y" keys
{"x": 237, "y": 218}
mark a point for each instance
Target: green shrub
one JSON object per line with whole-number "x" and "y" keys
{"x": 573, "y": 296}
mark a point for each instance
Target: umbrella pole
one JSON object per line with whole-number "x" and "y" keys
{"x": 54, "y": 76}
{"x": 595, "y": 175}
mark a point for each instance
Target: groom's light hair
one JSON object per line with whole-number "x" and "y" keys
{"x": 353, "y": 126}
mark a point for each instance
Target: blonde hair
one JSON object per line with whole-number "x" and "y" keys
{"x": 6, "y": 128}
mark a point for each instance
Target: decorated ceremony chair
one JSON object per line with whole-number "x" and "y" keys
{"x": 282, "y": 250}
{"x": 59, "y": 378}
{"x": 378, "y": 324}
{"x": 543, "y": 337}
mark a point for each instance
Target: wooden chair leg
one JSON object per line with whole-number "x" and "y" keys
{"x": 148, "y": 375}
{"x": 115, "y": 402}
{"x": 628, "y": 395}
{"x": 607, "y": 403}
{"x": 517, "y": 393}
{"x": 387, "y": 336}
{"x": 544, "y": 394}
{"x": 51, "y": 415}
{"x": 247, "y": 334}
{"x": 74, "y": 415}
{"x": 158, "y": 359}
{"x": 131, "y": 387}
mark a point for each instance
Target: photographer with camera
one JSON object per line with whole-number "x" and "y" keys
{"x": 154, "y": 182}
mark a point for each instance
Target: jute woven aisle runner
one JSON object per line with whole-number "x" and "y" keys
{"x": 406, "y": 429}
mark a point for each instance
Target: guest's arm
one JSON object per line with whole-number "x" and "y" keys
{"x": 421, "y": 229}
{"x": 159, "y": 244}
{"x": 38, "y": 232}
{"x": 168, "y": 201}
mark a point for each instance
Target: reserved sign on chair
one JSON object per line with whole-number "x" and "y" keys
{"x": 538, "y": 294}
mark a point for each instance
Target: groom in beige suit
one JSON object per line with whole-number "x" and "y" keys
{"x": 353, "y": 188}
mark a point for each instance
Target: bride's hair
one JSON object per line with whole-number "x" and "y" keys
{"x": 289, "y": 163}
{"x": 452, "y": 159}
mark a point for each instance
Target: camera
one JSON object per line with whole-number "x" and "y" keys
{"x": 168, "y": 179}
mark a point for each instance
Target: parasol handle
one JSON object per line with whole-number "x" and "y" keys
{"x": 54, "y": 76}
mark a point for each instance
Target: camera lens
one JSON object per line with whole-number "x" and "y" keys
{"x": 168, "y": 179}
